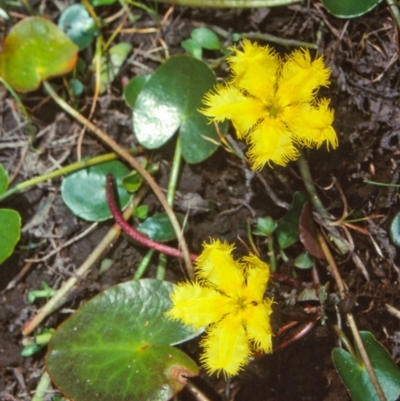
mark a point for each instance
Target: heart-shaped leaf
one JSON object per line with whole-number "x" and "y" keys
{"x": 349, "y": 8}
{"x": 35, "y": 50}
{"x": 287, "y": 231}
{"x": 118, "y": 347}
{"x": 10, "y": 228}
{"x": 84, "y": 191}
{"x": 159, "y": 228}
{"x": 170, "y": 101}
{"x": 355, "y": 376}
{"x": 79, "y": 26}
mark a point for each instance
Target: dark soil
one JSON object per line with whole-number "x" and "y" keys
{"x": 365, "y": 93}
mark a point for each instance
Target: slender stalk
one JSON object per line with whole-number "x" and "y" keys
{"x": 395, "y": 11}
{"x": 136, "y": 165}
{"x": 62, "y": 171}
{"x": 143, "y": 265}
{"x": 42, "y": 387}
{"x": 350, "y": 318}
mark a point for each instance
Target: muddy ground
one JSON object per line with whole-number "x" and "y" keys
{"x": 365, "y": 90}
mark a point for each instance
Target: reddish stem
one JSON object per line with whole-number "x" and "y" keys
{"x": 132, "y": 232}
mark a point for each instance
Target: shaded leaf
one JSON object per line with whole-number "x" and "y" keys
{"x": 10, "y": 228}
{"x": 206, "y": 38}
{"x": 84, "y": 191}
{"x": 133, "y": 88}
{"x": 35, "y": 50}
{"x": 308, "y": 232}
{"x": 287, "y": 231}
{"x": 304, "y": 261}
{"x": 78, "y": 25}
{"x": 355, "y": 376}
{"x": 349, "y": 9}
{"x": 118, "y": 347}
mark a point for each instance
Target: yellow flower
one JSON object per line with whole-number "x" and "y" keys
{"x": 272, "y": 103}
{"x": 228, "y": 298}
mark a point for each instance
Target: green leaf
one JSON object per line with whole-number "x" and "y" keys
{"x": 133, "y": 88}
{"x": 349, "y": 8}
{"x": 35, "y": 50}
{"x": 10, "y": 228}
{"x": 304, "y": 261}
{"x": 159, "y": 228}
{"x": 96, "y": 3}
{"x": 265, "y": 226}
{"x": 170, "y": 101}
{"x": 3, "y": 180}
{"x": 118, "y": 347}
{"x": 395, "y": 229}
{"x": 206, "y": 38}
{"x": 84, "y": 191}
{"x": 132, "y": 181}
{"x": 112, "y": 63}
{"x": 193, "y": 47}
{"x": 287, "y": 231}
{"x": 355, "y": 376}
{"x": 77, "y": 23}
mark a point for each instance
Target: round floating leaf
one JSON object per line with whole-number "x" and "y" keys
{"x": 349, "y": 8}
{"x": 3, "y": 180}
{"x": 77, "y": 23}
{"x": 84, "y": 191}
{"x": 395, "y": 230}
{"x": 355, "y": 376}
{"x": 10, "y": 228}
{"x": 170, "y": 101}
{"x": 118, "y": 347}
{"x": 133, "y": 88}
{"x": 206, "y": 38}
{"x": 287, "y": 231}
{"x": 35, "y": 50}
{"x": 159, "y": 228}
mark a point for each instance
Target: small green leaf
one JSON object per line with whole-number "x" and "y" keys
{"x": 395, "y": 230}
{"x": 304, "y": 261}
{"x": 10, "y": 228}
{"x": 141, "y": 212}
{"x": 76, "y": 86}
{"x": 287, "y": 231}
{"x": 3, "y": 180}
{"x": 78, "y": 25}
{"x": 349, "y": 8}
{"x": 35, "y": 50}
{"x": 132, "y": 181}
{"x": 112, "y": 63}
{"x": 265, "y": 226}
{"x": 170, "y": 101}
{"x": 159, "y": 228}
{"x": 355, "y": 376}
{"x": 133, "y": 88}
{"x": 206, "y": 38}
{"x": 84, "y": 191}
{"x": 193, "y": 47}
{"x": 118, "y": 347}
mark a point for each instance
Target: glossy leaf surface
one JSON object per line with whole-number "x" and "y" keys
{"x": 35, "y": 50}
{"x": 355, "y": 376}
{"x": 118, "y": 347}
{"x": 349, "y": 8}
{"x": 169, "y": 102}
{"x": 84, "y": 191}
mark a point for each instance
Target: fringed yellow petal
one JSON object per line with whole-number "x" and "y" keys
{"x": 257, "y": 277}
{"x": 226, "y": 347}
{"x": 271, "y": 142}
{"x": 312, "y": 126}
{"x": 300, "y": 78}
{"x": 255, "y": 69}
{"x": 197, "y": 306}
{"x": 228, "y": 102}
{"x": 258, "y": 326}
{"x": 216, "y": 265}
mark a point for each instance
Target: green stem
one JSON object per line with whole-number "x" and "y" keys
{"x": 172, "y": 184}
{"x": 230, "y": 3}
{"x": 62, "y": 171}
{"x": 395, "y": 11}
{"x": 42, "y": 387}
{"x": 143, "y": 265}
{"x": 136, "y": 165}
